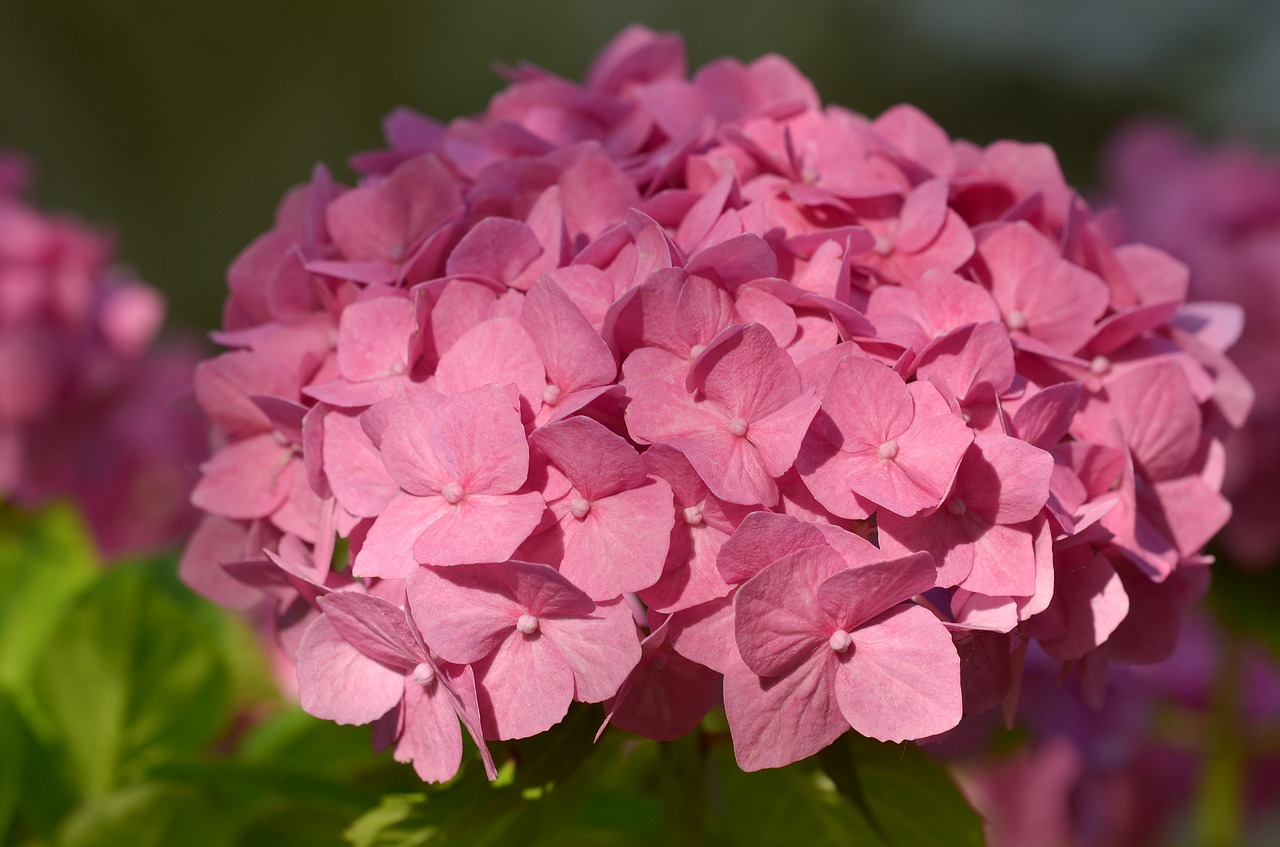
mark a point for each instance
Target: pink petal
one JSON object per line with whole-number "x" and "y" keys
{"x": 373, "y": 338}
{"x": 574, "y": 354}
{"x": 374, "y": 627}
{"x": 497, "y": 351}
{"x": 525, "y": 687}
{"x": 431, "y": 738}
{"x": 775, "y": 722}
{"x": 779, "y": 620}
{"x": 479, "y": 528}
{"x": 621, "y": 544}
{"x": 353, "y": 467}
{"x": 387, "y": 551}
{"x": 246, "y": 479}
{"x": 601, "y": 649}
{"x": 901, "y": 680}
{"x": 853, "y": 596}
{"x": 597, "y": 462}
{"x": 339, "y": 683}
{"x": 495, "y": 248}
{"x": 762, "y": 539}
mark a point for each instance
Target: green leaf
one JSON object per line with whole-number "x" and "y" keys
{"x": 150, "y": 815}
{"x": 13, "y": 745}
{"x": 891, "y": 784}
{"x": 792, "y": 805}
{"x": 133, "y": 675}
{"x": 46, "y": 561}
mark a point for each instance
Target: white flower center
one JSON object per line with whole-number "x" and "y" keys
{"x": 423, "y": 674}
{"x": 693, "y": 516}
{"x": 452, "y": 493}
{"x": 580, "y": 507}
{"x": 956, "y": 506}
{"x": 738, "y": 427}
{"x": 1100, "y": 365}
{"x": 883, "y": 246}
{"x": 527, "y": 624}
{"x": 1016, "y": 320}
{"x": 840, "y": 640}
{"x": 551, "y": 395}
{"x": 696, "y": 350}
{"x": 888, "y": 450}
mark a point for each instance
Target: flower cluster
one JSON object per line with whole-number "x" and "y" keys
{"x": 1218, "y": 210}
{"x": 85, "y": 409}
{"x": 662, "y": 391}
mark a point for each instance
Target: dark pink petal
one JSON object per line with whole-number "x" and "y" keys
{"x": 1045, "y": 418}
{"x": 1089, "y": 602}
{"x": 975, "y": 362}
{"x": 1005, "y": 479}
{"x": 746, "y": 372}
{"x": 339, "y": 683}
{"x": 853, "y": 596}
{"x": 386, "y": 220}
{"x": 1004, "y": 562}
{"x": 781, "y": 720}
{"x": 901, "y": 679}
{"x": 762, "y": 539}
{"x": 666, "y": 695}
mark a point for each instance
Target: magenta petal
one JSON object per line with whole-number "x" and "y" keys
{"x": 901, "y": 680}
{"x": 431, "y": 738}
{"x": 853, "y": 596}
{"x": 479, "y": 528}
{"x": 779, "y": 619}
{"x": 775, "y": 722}
{"x": 601, "y": 649}
{"x": 525, "y": 687}
{"x": 339, "y": 683}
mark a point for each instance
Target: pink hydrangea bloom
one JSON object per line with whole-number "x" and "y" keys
{"x": 88, "y": 402}
{"x": 1215, "y": 208}
{"x": 659, "y": 385}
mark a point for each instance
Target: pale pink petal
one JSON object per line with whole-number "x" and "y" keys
{"x": 601, "y": 648}
{"x": 387, "y": 551}
{"x": 431, "y": 738}
{"x": 779, "y": 619}
{"x": 478, "y": 528}
{"x": 853, "y": 596}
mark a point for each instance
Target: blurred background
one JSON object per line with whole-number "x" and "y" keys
{"x": 181, "y": 124}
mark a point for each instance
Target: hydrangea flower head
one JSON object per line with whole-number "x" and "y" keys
{"x": 662, "y": 384}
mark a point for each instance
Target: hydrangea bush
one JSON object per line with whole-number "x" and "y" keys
{"x": 86, "y": 396}
{"x": 664, "y": 391}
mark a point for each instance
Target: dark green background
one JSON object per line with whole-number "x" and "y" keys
{"x": 180, "y": 124}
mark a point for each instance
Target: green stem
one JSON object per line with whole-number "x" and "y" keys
{"x": 683, "y": 791}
